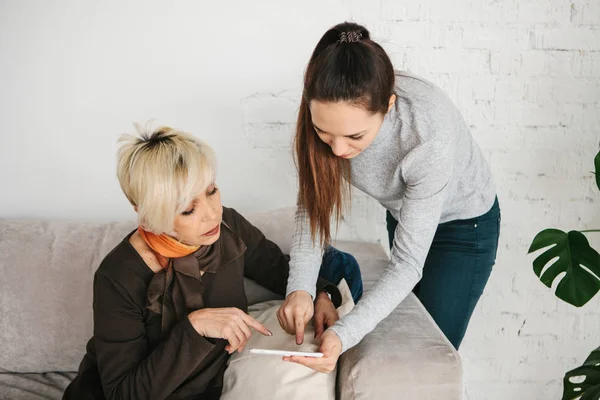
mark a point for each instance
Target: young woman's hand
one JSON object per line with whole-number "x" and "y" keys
{"x": 231, "y": 324}
{"x": 295, "y": 313}
{"x": 325, "y": 314}
{"x": 331, "y": 347}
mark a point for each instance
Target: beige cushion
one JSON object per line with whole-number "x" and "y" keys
{"x": 277, "y": 225}
{"x": 269, "y": 377}
{"x": 46, "y": 273}
{"x": 46, "y": 386}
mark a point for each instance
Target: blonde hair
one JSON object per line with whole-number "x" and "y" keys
{"x": 161, "y": 172}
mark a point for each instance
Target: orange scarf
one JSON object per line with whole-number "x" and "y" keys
{"x": 165, "y": 246}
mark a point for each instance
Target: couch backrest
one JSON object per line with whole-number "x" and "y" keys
{"x": 46, "y": 274}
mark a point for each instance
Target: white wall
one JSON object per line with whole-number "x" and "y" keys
{"x": 74, "y": 75}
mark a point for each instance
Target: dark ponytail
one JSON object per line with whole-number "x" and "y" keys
{"x": 346, "y": 66}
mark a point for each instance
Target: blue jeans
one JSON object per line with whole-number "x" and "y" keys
{"x": 457, "y": 269}
{"x": 337, "y": 265}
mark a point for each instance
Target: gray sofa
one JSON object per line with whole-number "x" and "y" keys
{"x": 46, "y": 271}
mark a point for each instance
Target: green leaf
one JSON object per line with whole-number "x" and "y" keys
{"x": 573, "y": 250}
{"x": 597, "y": 166}
{"x": 584, "y": 381}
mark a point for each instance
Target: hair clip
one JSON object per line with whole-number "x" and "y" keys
{"x": 350, "y": 37}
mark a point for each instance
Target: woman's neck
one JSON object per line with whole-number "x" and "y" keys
{"x": 152, "y": 259}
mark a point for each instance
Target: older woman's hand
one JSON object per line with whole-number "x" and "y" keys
{"x": 231, "y": 324}
{"x": 325, "y": 314}
{"x": 331, "y": 347}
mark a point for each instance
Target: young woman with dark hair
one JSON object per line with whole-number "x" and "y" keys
{"x": 400, "y": 139}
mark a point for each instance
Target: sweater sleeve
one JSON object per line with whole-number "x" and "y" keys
{"x": 305, "y": 257}
{"x": 128, "y": 370}
{"x": 426, "y": 172}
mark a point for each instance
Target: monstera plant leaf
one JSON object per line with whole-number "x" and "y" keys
{"x": 597, "y": 167}
{"x": 585, "y": 380}
{"x": 573, "y": 253}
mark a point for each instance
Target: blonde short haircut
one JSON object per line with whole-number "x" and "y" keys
{"x": 161, "y": 172}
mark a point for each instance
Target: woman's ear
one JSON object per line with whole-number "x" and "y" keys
{"x": 135, "y": 208}
{"x": 392, "y": 102}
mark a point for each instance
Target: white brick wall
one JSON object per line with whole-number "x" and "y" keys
{"x": 526, "y": 75}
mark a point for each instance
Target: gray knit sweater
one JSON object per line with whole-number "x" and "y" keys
{"x": 425, "y": 168}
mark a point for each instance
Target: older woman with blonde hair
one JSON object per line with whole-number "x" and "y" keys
{"x": 169, "y": 301}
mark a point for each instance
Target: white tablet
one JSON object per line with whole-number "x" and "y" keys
{"x": 286, "y": 353}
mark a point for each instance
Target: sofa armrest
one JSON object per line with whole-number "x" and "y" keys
{"x": 405, "y": 357}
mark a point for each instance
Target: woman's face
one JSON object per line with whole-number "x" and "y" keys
{"x": 344, "y": 127}
{"x": 200, "y": 223}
